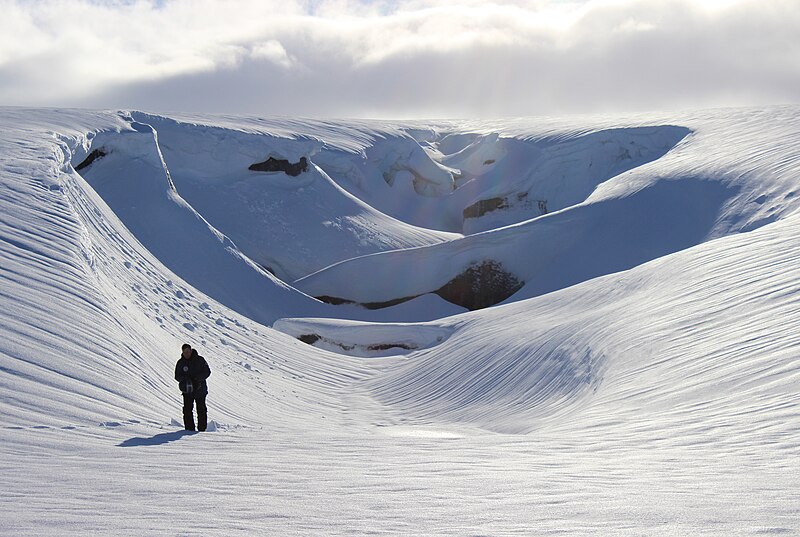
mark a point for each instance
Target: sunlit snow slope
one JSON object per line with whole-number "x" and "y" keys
{"x": 639, "y": 355}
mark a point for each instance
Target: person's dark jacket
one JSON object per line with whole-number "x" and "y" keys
{"x": 195, "y": 369}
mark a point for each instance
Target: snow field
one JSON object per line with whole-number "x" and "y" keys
{"x": 267, "y": 482}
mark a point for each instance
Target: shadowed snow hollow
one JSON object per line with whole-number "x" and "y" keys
{"x": 496, "y": 180}
{"x": 290, "y": 224}
{"x": 713, "y": 183}
{"x": 132, "y": 178}
{"x": 546, "y": 254}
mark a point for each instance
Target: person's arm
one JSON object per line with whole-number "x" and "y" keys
{"x": 180, "y": 374}
{"x": 206, "y": 371}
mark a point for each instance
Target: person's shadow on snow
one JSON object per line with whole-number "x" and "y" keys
{"x": 157, "y": 440}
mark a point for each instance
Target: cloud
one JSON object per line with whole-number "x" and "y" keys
{"x": 271, "y": 51}
{"x": 399, "y": 58}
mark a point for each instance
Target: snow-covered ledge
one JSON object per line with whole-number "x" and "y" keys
{"x": 356, "y": 338}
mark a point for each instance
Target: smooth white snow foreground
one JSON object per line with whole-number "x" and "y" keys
{"x": 655, "y": 396}
{"x": 245, "y": 482}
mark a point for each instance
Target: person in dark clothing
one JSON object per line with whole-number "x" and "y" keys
{"x": 191, "y": 372}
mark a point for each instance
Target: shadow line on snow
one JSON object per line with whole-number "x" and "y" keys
{"x": 157, "y": 440}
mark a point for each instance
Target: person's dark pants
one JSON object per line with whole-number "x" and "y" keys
{"x": 189, "y": 399}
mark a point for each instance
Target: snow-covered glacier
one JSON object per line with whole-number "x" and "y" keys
{"x": 527, "y": 326}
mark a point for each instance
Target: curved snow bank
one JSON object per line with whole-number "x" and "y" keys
{"x": 735, "y": 173}
{"x": 290, "y": 225}
{"x": 536, "y": 178}
{"x": 479, "y": 285}
{"x": 133, "y": 179}
{"x": 404, "y": 160}
{"x": 497, "y": 180}
{"x": 364, "y": 339}
{"x": 536, "y": 373}
{"x": 696, "y": 348}
{"x": 398, "y": 177}
{"x": 476, "y": 158}
{"x": 548, "y": 253}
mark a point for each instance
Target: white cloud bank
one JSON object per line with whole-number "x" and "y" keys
{"x": 399, "y": 58}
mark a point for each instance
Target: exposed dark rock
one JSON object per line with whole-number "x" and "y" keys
{"x": 337, "y": 301}
{"x": 387, "y": 346}
{"x": 481, "y": 207}
{"x": 388, "y": 303}
{"x": 334, "y": 300}
{"x": 94, "y": 155}
{"x": 489, "y": 161}
{"x": 309, "y": 338}
{"x": 481, "y": 285}
{"x": 273, "y": 164}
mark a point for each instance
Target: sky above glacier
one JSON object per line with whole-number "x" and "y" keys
{"x": 399, "y": 58}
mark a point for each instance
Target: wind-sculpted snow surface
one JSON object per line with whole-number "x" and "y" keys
{"x": 698, "y": 343}
{"x": 643, "y": 381}
{"x": 91, "y": 319}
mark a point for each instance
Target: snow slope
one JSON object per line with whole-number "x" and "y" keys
{"x": 715, "y": 183}
{"x": 293, "y": 225}
{"x": 486, "y": 172}
{"x": 642, "y": 381}
{"x": 91, "y": 314}
{"x": 134, "y": 179}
